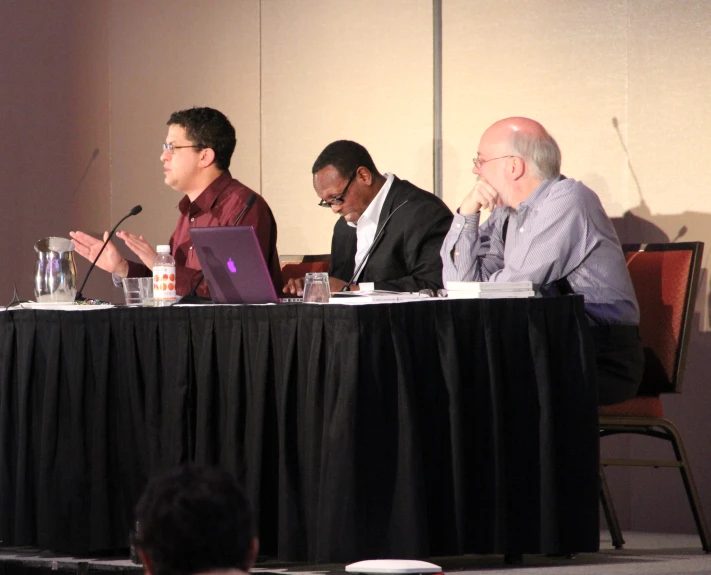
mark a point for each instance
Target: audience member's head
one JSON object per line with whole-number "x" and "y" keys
{"x": 208, "y": 128}
{"x": 195, "y": 520}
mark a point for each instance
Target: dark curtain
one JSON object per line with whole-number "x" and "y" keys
{"x": 408, "y": 430}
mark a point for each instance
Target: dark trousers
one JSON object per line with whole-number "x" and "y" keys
{"x": 620, "y": 362}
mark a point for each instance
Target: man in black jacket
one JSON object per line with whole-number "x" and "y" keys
{"x": 390, "y": 232}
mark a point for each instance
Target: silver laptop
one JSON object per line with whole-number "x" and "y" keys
{"x": 233, "y": 265}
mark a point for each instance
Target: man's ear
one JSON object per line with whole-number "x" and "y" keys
{"x": 253, "y": 551}
{"x": 146, "y": 560}
{"x": 207, "y": 157}
{"x": 518, "y": 168}
{"x": 364, "y": 175}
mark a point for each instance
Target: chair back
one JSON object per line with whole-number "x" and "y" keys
{"x": 293, "y": 267}
{"x": 665, "y": 278}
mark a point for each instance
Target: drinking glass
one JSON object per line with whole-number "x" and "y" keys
{"x": 316, "y": 288}
{"x": 138, "y": 291}
{"x": 147, "y": 291}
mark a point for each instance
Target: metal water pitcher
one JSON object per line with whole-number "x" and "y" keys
{"x": 55, "y": 270}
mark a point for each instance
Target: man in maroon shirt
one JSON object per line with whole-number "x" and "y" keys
{"x": 196, "y": 157}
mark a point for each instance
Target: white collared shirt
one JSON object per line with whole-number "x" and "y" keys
{"x": 367, "y": 224}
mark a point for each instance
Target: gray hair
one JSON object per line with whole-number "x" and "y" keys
{"x": 539, "y": 150}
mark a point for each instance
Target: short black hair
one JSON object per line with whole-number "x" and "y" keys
{"x": 346, "y": 157}
{"x": 208, "y": 128}
{"x": 194, "y": 519}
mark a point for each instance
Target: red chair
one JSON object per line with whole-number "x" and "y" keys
{"x": 294, "y": 267}
{"x": 665, "y": 277}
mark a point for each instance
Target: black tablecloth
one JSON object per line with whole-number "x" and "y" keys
{"x": 403, "y": 430}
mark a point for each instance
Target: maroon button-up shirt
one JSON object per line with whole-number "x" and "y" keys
{"x": 218, "y": 205}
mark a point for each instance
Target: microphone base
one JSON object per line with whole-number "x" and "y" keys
{"x": 193, "y": 300}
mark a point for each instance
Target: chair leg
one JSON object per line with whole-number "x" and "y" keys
{"x": 689, "y": 485}
{"x": 610, "y": 516}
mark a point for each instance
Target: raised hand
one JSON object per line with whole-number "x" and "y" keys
{"x": 139, "y": 246}
{"x": 88, "y": 246}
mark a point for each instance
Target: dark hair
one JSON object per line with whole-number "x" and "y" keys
{"x": 346, "y": 157}
{"x": 194, "y": 519}
{"x": 208, "y": 128}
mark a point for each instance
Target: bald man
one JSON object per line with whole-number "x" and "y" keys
{"x": 552, "y": 231}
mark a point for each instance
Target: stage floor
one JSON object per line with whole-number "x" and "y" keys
{"x": 643, "y": 554}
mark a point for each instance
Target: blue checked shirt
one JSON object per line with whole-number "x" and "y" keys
{"x": 560, "y": 231}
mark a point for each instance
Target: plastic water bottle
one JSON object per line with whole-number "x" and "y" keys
{"x": 164, "y": 277}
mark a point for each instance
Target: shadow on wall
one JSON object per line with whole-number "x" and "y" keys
{"x": 654, "y": 499}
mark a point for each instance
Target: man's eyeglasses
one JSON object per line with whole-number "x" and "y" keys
{"x": 170, "y": 148}
{"x": 338, "y": 200}
{"x": 478, "y": 163}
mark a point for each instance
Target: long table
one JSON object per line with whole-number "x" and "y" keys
{"x": 394, "y": 430}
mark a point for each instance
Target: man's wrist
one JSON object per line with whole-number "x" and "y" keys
{"x": 469, "y": 210}
{"x": 121, "y": 269}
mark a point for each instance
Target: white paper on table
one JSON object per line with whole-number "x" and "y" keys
{"x": 63, "y": 306}
{"x": 376, "y": 296}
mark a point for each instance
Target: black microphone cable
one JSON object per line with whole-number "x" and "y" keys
{"x": 370, "y": 249}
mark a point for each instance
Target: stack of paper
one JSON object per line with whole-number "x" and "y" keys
{"x": 489, "y": 290}
{"x": 373, "y": 296}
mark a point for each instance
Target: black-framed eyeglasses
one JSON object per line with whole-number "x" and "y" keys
{"x": 170, "y": 148}
{"x": 338, "y": 200}
{"x": 478, "y": 163}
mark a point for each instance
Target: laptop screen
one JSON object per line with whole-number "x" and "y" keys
{"x": 233, "y": 265}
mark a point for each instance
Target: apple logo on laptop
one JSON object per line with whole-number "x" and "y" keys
{"x": 231, "y": 266}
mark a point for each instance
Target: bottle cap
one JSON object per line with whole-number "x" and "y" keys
{"x": 163, "y": 249}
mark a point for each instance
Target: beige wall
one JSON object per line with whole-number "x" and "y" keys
{"x": 87, "y": 130}
{"x": 86, "y": 88}
{"x": 335, "y": 70}
{"x": 167, "y": 55}
{"x": 563, "y": 63}
{"x": 323, "y": 73}
{"x": 48, "y": 77}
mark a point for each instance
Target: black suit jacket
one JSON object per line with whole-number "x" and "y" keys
{"x": 406, "y": 256}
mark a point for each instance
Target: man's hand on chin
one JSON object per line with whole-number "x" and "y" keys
{"x": 481, "y": 196}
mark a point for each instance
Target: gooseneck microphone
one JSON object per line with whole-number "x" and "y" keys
{"x": 135, "y": 210}
{"x": 249, "y": 204}
{"x": 192, "y": 296}
{"x": 371, "y": 248}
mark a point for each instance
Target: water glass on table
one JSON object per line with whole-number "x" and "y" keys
{"x": 316, "y": 288}
{"x": 138, "y": 291}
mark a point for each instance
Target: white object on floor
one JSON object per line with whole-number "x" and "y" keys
{"x": 393, "y": 566}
